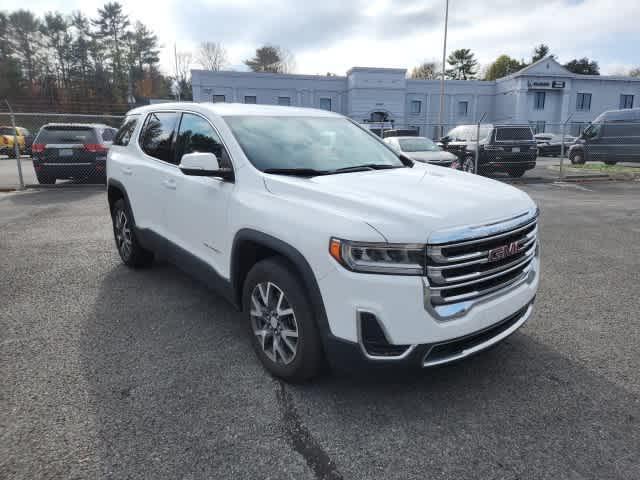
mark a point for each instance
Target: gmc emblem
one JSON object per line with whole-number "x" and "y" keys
{"x": 504, "y": 251}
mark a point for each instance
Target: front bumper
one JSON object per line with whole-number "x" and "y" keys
{"x": 400, "y": 306}
{"x": 346, "y": 355}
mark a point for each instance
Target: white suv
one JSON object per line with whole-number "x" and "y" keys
{"x": 331, "y": 244}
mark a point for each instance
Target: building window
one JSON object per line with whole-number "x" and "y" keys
{"x": 577, "y": 128}
{"x": 538, "y": 126}
{"x": 463, "y": 109}
{"x": 626, "y": 101}
{"x": 539, "y": 100}
{"x": 219, "y": 99}
{"x": 251, "y": 99}
{"x": 284, "y": 101}
{"x": 416, "y": 106}
{"x": 583, "y": 102}
{"x": 325, "y": 104}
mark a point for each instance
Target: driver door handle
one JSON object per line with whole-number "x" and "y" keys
{"x": 127, "y": 171}
{"x": 169, "y": 183}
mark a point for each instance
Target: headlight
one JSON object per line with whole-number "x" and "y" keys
{"x": 385, "y": 258}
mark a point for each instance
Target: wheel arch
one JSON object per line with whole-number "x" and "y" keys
{"x": 116, "y": 191}
{"x": 251, "y": 246}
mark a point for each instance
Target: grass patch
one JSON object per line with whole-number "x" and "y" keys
{"x": 599, "y": 167}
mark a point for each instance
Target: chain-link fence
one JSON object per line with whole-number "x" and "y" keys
{"x": 540, "y": 149}
{"x": 54, "y": 148}
{"x": 63, "y": 149}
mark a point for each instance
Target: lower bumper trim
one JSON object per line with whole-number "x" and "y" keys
{"x": 460, "y": 348}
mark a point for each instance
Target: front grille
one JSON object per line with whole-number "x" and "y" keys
{"x": 471, "y": 268}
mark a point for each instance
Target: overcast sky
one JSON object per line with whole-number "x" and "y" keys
{"x": 335, "y": 35}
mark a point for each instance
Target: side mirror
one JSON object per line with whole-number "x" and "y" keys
{"x": 204, "y": 164}
{"x": 445, "y": 139}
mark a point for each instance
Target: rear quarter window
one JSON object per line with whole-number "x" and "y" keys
{"x": 123, "y": 137}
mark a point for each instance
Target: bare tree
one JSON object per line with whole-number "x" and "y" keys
{"x": 212, "y": 56}
{"x": 426, "y": 71}
{"x": 184, "y": 61}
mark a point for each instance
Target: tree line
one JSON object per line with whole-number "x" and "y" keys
{"x": 69, "y": 60}
{"x": 464, "y": 66}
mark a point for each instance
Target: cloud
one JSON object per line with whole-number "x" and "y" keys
{"x": 334, "y": 35}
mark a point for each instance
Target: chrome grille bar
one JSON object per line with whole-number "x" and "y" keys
{"x": 467, "y": 269}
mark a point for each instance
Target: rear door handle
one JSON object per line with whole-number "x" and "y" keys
{"x": 127, "y": 171}
{"x": 170, "y": 184}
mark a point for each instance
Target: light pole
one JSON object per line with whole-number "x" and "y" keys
{"x": 444, "y": 56}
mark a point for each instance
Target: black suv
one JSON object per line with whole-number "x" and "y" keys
{"x": 503, "y": 148}
{"x": 64, "y": 150}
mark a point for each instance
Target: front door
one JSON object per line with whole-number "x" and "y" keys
{"x": 198, "y": 215}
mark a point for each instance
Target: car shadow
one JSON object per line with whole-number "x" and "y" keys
{"x": 177, "y": 391}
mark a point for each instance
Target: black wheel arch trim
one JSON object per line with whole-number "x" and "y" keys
{"x": 112, "y": 182}
{"x": 298, "y": 261}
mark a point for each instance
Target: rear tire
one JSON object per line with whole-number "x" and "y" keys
{"x": 610, "y": 162}
{"x": 130, "y": 250}
{"x": 44, "y": 179}
{"x": 283, "y": 330}
{"x": 516, "y": 172}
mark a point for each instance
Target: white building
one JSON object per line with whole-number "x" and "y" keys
{"x": 544, "y": 94}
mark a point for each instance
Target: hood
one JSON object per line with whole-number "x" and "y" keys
{"x": 405, "y": 204}
{"x": 438, "y": 156}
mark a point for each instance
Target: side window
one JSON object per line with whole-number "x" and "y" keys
{"x": 126, "y": 130}
{"x": 107, "y": 135}
{"x": 197, "y": 135}
{"x": 157, "y": 135}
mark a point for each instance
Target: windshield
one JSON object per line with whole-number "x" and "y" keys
{"x": 513, "y": 133}
{"x": 317, "y": 143}
{"x": 468, "y": 133}
{"x": 6, "y": 131}
{"x": 418, "y": 144}
{"x": 67, "y": 135}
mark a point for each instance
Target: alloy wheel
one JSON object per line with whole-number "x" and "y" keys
{"x": 468, "y": 165}
{"x": 274, "y": 323}
{"x": 123, "y": 234}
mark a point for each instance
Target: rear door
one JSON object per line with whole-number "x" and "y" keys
{"x": 152, "y": 170}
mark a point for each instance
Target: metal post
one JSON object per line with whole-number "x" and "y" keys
{"x": 477, "y": 155}
{"x": 16, "y": 146}
{"x": 564, "y": 130}
{"x": 444, "y": 57}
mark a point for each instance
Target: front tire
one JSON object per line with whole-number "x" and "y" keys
{"x": 577, "y": 158}
{"x": 468, "y": 165}
{"x": 281, "y": 323}
{"x": 610, "y": 162}
{"x": 130, "y": 250}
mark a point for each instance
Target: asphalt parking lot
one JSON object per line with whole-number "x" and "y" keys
{"x": 112, "y": 373}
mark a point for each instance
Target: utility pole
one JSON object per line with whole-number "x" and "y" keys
{"x": 444, "y": 57}
{"x": 175, "y": 57}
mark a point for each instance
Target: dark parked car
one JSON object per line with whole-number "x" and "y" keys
{"x": 550, "y": 144}
{"x": 612, "y": 137}
{"x": 502, "y": 148}
{"x": 64, "y": 150}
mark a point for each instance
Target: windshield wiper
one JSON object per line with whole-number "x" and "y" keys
{"x": 298, "y": 172}
{"x": 363, "y": 168}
